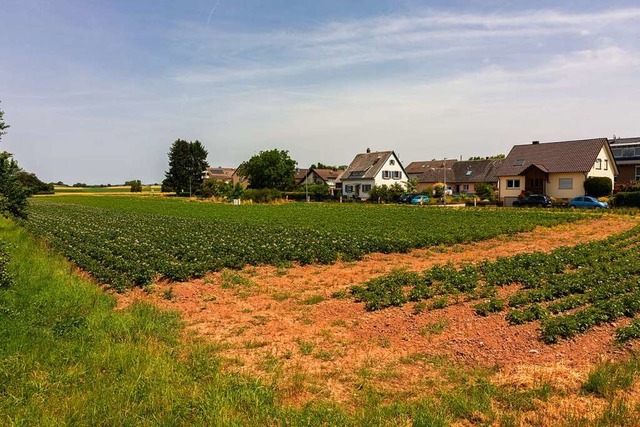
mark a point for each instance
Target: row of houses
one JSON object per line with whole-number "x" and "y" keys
{"x": 557, "y": 169}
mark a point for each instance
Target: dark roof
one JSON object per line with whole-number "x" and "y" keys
{"x": 420, "y": 167}
{"x": 463, "y": 171}
{"x": 476, "y": 170}
{"x": 327, "y": 174}
{"x": 300, "y": 174}
{"x": 367, "y": 165}
{"x": 553, "y": 157}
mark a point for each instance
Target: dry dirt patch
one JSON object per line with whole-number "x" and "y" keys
{"x": 284, "y": 323}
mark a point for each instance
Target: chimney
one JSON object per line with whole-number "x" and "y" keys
{"x": 536, "y": 142}
{"x": 368, "y": 150}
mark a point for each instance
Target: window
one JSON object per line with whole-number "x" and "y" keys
{"x": 599, "y": 164}
{"x": 513, "y": 183}
{"x": 637, "y": 173}
{"x": 617, "y": 152}
{"x": 628, "y": 152}
{"x": 392, "y": 162}
{"x": 396, "y": 175}
{"x": 348, "y": 188}
{"x": 565, "y": 184}
{"x": 606, "y": 164}
{"x": 465, "y": 187}
{"x": 518, "y": 162}
{"x": 386, "y": 174}
{"x": 468, "y": 173}
{"x": 366, "y": 188}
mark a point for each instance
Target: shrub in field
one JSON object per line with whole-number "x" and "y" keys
{"x": 485, "y": 308}
{"x": 263, "y": 195}
{"x": 627, "y": 199}
{"x": 136, "y": 186}
{"x": 598, "y": 186}
{"x": 385, "y": 291}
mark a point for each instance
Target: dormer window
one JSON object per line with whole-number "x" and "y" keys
{"x": 518, "y": 162}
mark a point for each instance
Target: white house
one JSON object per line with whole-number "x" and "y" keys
{"x": 369, "y": 169}
{"x": 557, "y": 169}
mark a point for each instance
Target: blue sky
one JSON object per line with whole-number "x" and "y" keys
{"x": 97, "y": 91}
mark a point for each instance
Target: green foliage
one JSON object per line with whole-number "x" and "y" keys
{"x": 608, "y": 377}
{"x": 627, "y": 199}
{"x": 220, "y": 190}
{"x": 438, "y": 190}
{"x": 315, "y": 190}
{"x": 32, "y": 184}
{"x": 6, "y": 279}
{"x": 386, "y": 291}
{"x": 485, "y": 191}
{"x": 13, "y": 196}
{"x": 127, "y": 241}
{"x": 262, "y": 195}
{"x": 270, "y": 169}
{"x": 386, "y": 193}
{"x": 187, "y": 162}
{"x": 136, "y": 186}
{"x": 3, "y": 125}
{"x": 412, "y": 185}
{"x": 493, "y": 305}
{"x": 598, "y": 186}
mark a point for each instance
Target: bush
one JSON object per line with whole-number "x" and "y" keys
{"x": 262, "y": 195}
{"x": 598, "y": 186}
{"x": 485, "y": 191}
{"x": 136, "y": 186}
{"x": 385, "y": 193}
{"x": 629, "y": 199}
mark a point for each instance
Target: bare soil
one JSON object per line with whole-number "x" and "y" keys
{"x": 284, "y": 325}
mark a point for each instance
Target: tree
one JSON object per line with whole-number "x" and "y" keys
{"x": 13, "y": 197}
{"x": 136, "y": 186}
{"x": 412, "y": 185}
{"x": 3, "y": 125}
{"x": 187, "y": 162}
{"x": 485, "y": 191}
{"x": 270, "y": 169}
{"x": 32, "y": 183}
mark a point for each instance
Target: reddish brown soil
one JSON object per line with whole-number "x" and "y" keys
{"x": 284, "y": 324}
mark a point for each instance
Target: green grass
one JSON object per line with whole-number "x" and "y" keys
{"x": 103, "y": 190}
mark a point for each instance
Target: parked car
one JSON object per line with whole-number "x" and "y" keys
{"x": 538, "y": 200}
{"x": 587, "y": 202}
{"x": 406, "y": 197}
{"x": 420, "y": 199}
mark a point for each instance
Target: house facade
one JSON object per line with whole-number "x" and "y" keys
{"x": 557, "y": 169}
{"x": 460, "y": 176}
{"x": 369, "y": 169}
{"x": 626, "y": 151}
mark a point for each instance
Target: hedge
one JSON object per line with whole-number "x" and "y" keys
{"x": 629, "y": 199}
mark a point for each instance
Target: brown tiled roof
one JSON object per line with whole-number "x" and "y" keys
{"x": 328, "y": 174}
{"x": 366, "y": 165}
{"x": 300, "y": 174}
{"x": 420, "y": 167}
{"x": 435, "y": 175}
{"x": 476, "y": 170}
{"x": 554, "y": 157}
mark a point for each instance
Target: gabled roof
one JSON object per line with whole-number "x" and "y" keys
{"x": 476, "y": 170}
{"x": 554, "y": 157}
{"x": 434, "y": 175}
{"x": 419, "y": 167}
{"x": 327, "y": 174}
{"x": 367, "y": 165}
{"x": 300, "y": 174}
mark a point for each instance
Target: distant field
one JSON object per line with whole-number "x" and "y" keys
{"x": 124, "y": 240}
{"x": 114, "y": 189}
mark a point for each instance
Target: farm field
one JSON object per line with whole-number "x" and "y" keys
{"x": 446, "y": 324}
{"x": 61, "y": 189}
{"x": 125, "y": 241}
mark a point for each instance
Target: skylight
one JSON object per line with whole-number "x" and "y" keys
{"x": 519, "y": 162}
{"x": 469, "y": 172}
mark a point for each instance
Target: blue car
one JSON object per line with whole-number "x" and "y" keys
{"x": 587, "y": 202}
{"x": 420, "y": 200}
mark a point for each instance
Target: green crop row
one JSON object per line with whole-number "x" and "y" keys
{"x": 601, "y": 276}
{"x": 133, "y": 241}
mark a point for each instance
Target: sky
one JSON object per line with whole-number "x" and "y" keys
{"x": 97, "y": 91}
